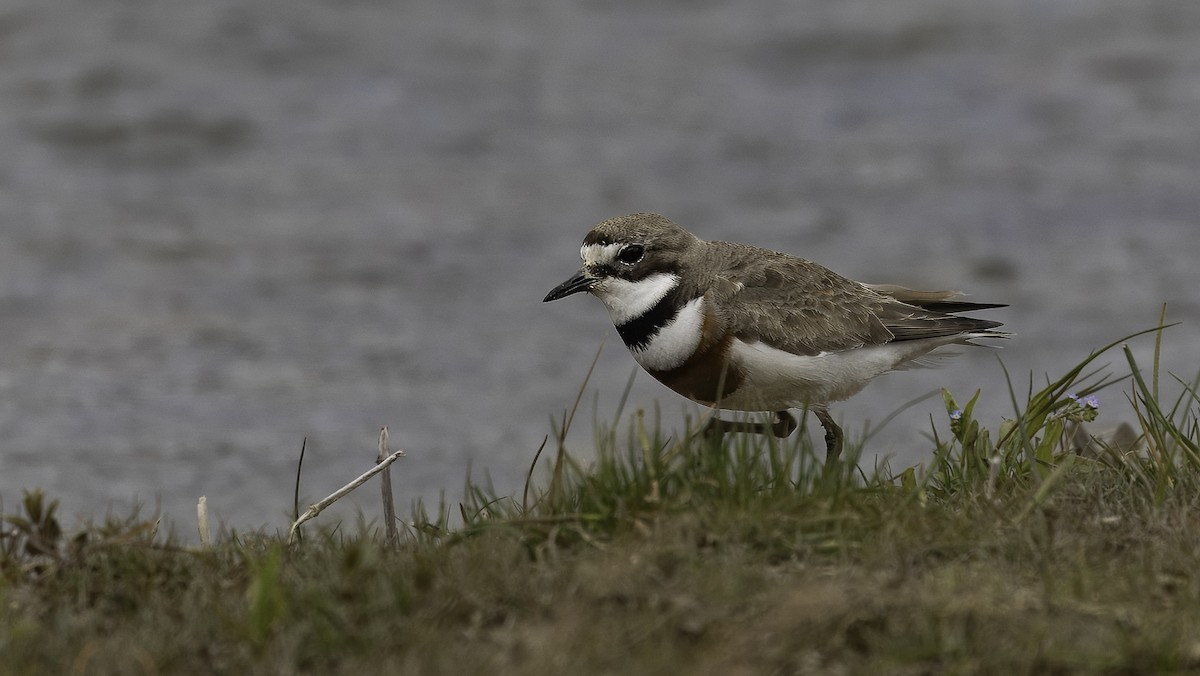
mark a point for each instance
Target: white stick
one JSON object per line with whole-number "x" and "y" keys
{"x": 389, "y": 504}
{"x": 316, "y": 509}
{"x": 202, "y": 522}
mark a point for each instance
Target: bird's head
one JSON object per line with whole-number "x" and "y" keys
{"x": 629, "y": 263}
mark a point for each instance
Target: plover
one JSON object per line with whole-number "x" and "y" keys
{"x": 743, "y": 328}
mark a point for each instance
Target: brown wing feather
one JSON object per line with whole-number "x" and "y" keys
{"x": 805, "y": 308}
{"x": 793, "y": 304}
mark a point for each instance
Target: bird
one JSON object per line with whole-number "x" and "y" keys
{"x": 738, "y": 327}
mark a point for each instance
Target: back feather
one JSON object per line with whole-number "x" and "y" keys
{"x": 804, "y": 308}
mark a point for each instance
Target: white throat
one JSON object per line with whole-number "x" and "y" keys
{"x": 627, "y": 300}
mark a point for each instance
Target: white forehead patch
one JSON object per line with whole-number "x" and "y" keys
{"x": 599, "y": 254}
{"x": 628, "y": 300}
{"x": 676, "y": 340}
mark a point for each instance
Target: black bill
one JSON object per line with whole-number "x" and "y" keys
{"x": 578, "y": 282}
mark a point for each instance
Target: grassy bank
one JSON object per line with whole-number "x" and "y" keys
{"x": 1015, "y": 548}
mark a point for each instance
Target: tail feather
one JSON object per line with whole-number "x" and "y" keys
{"x": 950, "y": 307}
{"x": 948, "y": 351}
{"x": 937, "y": 301}
{"x": 929, "y": 314}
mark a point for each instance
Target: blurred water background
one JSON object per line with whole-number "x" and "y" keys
{"x": 229, "y": 225}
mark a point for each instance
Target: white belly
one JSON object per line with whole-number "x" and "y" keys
{"x": 775, "y": 380}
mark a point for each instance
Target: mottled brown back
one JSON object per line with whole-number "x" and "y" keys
{"x": 802, "y": 307}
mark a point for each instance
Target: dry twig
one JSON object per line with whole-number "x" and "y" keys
{"x": 389, "y": 504}
{"x": 342, "y": 492}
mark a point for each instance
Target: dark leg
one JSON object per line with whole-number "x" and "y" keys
{"x": 833, "y": 434}
{"x": 784, "y": 425}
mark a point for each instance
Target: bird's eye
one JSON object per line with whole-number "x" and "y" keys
{"x": 631, "y": 254}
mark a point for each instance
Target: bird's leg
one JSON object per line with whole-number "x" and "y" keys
{"x": 833, "y": 434}
{"x": 784, "y": 425}
{"x": 717, "y": 428}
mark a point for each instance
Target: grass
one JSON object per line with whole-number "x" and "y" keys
{"x": 1006, "y": 552}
